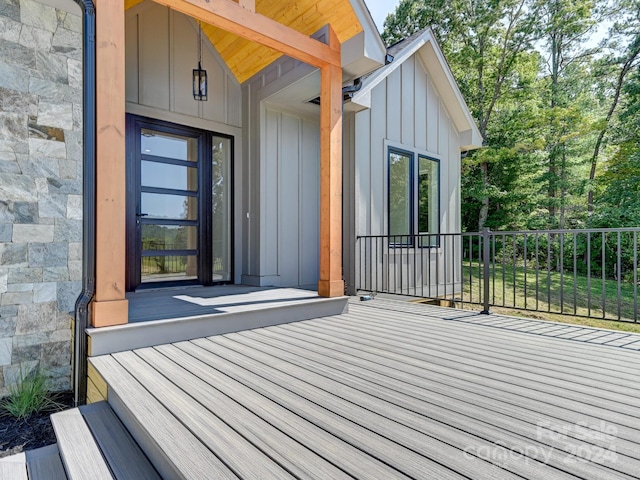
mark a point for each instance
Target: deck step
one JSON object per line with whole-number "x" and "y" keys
{"x": 229, "y": 318}
{"x": 174, "y": 450}
{"x": 45, "y": 464}
{"x": 80, "y": 454}
{"x": 122, "y": 453}
{"x": 94, "y": 444}
{"x": 13, "y": 467}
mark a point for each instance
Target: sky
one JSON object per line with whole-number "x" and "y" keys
{"x": 380, "y": 8}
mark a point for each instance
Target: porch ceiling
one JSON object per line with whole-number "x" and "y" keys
{"x": 245, "y": 58}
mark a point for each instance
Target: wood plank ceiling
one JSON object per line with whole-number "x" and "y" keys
{"x": 245, "y": 58}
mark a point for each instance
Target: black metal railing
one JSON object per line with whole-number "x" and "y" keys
{"x": 588, "y": 273}
{"x": 159, "y": 262}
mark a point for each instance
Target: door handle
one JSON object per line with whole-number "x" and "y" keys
{"x": 142, "y": 214}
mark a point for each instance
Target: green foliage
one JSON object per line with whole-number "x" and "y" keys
{"x": 29, "y": 395}
{"x": 559, "y": 115}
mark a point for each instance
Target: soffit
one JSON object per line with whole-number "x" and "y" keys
{"x": 245, "y": 58}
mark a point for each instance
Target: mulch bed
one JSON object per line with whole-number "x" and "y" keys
{"x": 34, "y": 432}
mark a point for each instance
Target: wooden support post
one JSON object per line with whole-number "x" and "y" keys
{"x": 110, "y": 306}
{"x": 331, "y": 283}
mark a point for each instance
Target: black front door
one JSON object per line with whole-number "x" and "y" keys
{"x": 178, "y": 188}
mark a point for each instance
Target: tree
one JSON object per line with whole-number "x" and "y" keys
{"x": 484, "y": 42}
{"x": 566, "y": 25}
{"x": 623, "y": 36}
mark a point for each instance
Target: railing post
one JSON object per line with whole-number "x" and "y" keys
{"x": 486, "y": 258}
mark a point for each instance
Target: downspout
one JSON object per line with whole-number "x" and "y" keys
{"x": 88, "y": 202}
{"x": 347, "y": 93}
{"x": 349, "y": 90}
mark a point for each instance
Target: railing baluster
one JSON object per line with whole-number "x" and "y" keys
{"x": 561, "y": 273}
{"x": 635, "y": 276}
{"x": 548, "y": 272}
{"x": 604, "y": 269}
{"x": 537, "y": 269}
{"x": 443, "y": 244}
{"x": 504, "y": 275}
{"x": 589, "y": 274}
{"x": 619, "y": 275}
{"x": 525, "y": 271}
{"x": 408, "y": 253}
{"x": 493, "y": 268}
{"x": 575, "y": 275}
{"x": 514, "y": 269}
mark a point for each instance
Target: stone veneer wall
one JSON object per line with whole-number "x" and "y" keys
{"x": 40, "y": 188}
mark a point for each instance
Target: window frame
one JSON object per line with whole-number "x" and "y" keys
{"x": 414, "y": 155}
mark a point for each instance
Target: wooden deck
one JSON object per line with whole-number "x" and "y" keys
{"x": 389, "y": 390}
{"x": 179, "y": 302}
{"x": 171, "y": 315}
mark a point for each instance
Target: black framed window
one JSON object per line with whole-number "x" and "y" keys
{"x": 413, "y": 198}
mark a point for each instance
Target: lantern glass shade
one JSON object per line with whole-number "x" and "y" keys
{"x": 199, "y": 83}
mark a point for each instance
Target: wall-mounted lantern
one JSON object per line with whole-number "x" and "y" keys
{"x": 200, "y": 85}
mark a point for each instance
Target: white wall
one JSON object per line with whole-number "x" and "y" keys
{"x": 406, "y": 111}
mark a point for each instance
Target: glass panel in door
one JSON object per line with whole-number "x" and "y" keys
{"x": 168, "y": 207}
{"x": 221, "y": 208}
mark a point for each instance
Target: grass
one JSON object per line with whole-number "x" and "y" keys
{"x": 559, "y": 298}
{"x": 28, "y": 396}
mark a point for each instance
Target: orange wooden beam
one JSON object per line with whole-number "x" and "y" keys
{"x": 247, "y": 4}
{"x": 230, "y": 16}
{"x": 331, "y": 283}
{"x": 110, "y": 306}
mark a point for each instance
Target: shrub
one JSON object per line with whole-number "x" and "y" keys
{"x": 29, "y": 395}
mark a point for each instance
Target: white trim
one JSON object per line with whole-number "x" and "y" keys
{"x": 425, "y": 47}
{"x": 187, "y": 120}
{"x": 411, "y": 148}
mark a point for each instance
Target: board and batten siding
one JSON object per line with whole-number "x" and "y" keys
{"x": 161, "y": 53}
{"x": 290, "y": 239}
{"x": 406, "y": 112}
{"x": 280, "y": 188}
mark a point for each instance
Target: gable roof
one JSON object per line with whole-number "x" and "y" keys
{"x": 424, "y": 44}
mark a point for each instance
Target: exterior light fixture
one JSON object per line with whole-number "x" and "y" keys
{"x": 200, "y": 85}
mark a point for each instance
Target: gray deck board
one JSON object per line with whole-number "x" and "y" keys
{"x": 397, "y": 411}
{"x": 398, "y": 456}
{"x": 122, "y": 453}
{"x": 191, "y": 459}
{"x": 79, "y": 452}
{"x": 268, "y": 425}
{"x": 618, "y": 382}
{"x": 157, "y": 304}
{"x": 453, "y": 323}
{"x": 486, "y": 346}
{"x": 232, "y": 449}
{"x": 394, "y": 390}
{"x": 568, "y": 389}
{"x": 13, "y": 471}
{"x": 45, "y": 464}
{"x": 440, "y": 403}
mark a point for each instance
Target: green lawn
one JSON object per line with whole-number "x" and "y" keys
{"x": 507, "y": 291}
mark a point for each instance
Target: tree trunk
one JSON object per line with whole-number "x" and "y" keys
{"x": 614, "y": 103}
